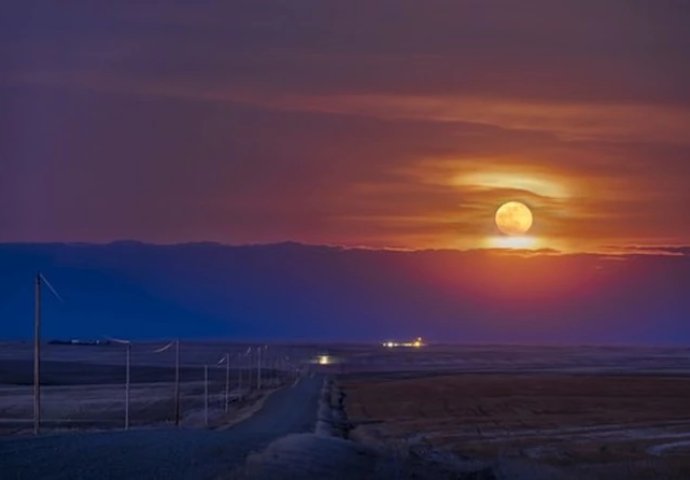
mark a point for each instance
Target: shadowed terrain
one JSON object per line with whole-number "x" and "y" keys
{"x": 162, "y": 453}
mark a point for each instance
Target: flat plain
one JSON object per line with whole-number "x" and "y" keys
{"x": 83, "y": 387}
{"x": 472, "y": 411}
{"x": 535, "y": 412}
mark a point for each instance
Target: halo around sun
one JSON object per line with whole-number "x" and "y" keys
{"x": 513, "y": 218}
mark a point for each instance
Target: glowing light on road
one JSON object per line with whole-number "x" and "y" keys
{"x": 324, "y": 360}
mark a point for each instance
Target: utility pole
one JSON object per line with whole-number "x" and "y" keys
{"x": 177, "y": 382}
{"x": 269, "y": 369}
{"x": 127, "y": 381}
{"x": 239, "y": 376}
{"x": 128, "y": 354}
{"x": 227, "y": 381}
{"x": 40, "y": 279}
{"x": 206, "y": 395}
{"x": 240, "y": 364}
{"x": 258, "y": 368}
{"x": 37, "y": 355}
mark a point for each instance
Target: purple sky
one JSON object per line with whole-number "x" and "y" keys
{"x": 375, "y": 123}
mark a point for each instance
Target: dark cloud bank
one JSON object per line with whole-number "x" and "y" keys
{"x": 292, "y": 291}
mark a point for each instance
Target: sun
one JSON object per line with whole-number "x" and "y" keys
{"x": 514, "y": 218}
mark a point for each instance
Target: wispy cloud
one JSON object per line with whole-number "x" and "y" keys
{"x": 391, "y": 125}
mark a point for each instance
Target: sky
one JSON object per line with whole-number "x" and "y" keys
{"x": 382, "y": 124}
{"x": 303, "y": 292}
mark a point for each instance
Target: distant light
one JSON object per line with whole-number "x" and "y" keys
{"x": 416, "y": 343}
{"x": 323, "y": 360}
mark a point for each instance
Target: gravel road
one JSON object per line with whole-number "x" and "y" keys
{"x": 167, "y": 453}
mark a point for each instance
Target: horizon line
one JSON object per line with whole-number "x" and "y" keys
{"x": 614, "y": 251}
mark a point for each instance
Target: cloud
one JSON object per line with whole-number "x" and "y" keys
{"x": 557, "y": 51}
{"x": 374, "y": 124}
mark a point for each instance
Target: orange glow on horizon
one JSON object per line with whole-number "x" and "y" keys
{"x": 521, "y": 242}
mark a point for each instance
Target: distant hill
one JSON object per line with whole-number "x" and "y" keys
{"x": 293, "y": 291}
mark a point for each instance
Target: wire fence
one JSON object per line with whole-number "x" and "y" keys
{"x": 117, "y": 384}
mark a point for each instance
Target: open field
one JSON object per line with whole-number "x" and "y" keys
{"x": 83, "y": 386}
{"x": 162, "y": 452}
{"x": 540, "y": 425}
{"x": 517, "y": 413}
{"x": 440, "y": 359}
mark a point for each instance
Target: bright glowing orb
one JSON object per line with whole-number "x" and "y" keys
{"x": 514, "y": 218}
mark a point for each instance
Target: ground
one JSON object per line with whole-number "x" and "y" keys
{"x": 165, "y": 453}
{"x": 574, "y": 425}
{"x": 436, "y": 412}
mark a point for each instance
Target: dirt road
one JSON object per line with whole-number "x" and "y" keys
{"x": 161, "y": 453}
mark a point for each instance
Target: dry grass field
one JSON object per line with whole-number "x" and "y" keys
{"x": 101, "y": 406}
{"x": 518, "y": 413}
{"x": 546, "y": 425}
{"x": 83, "y": 387}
